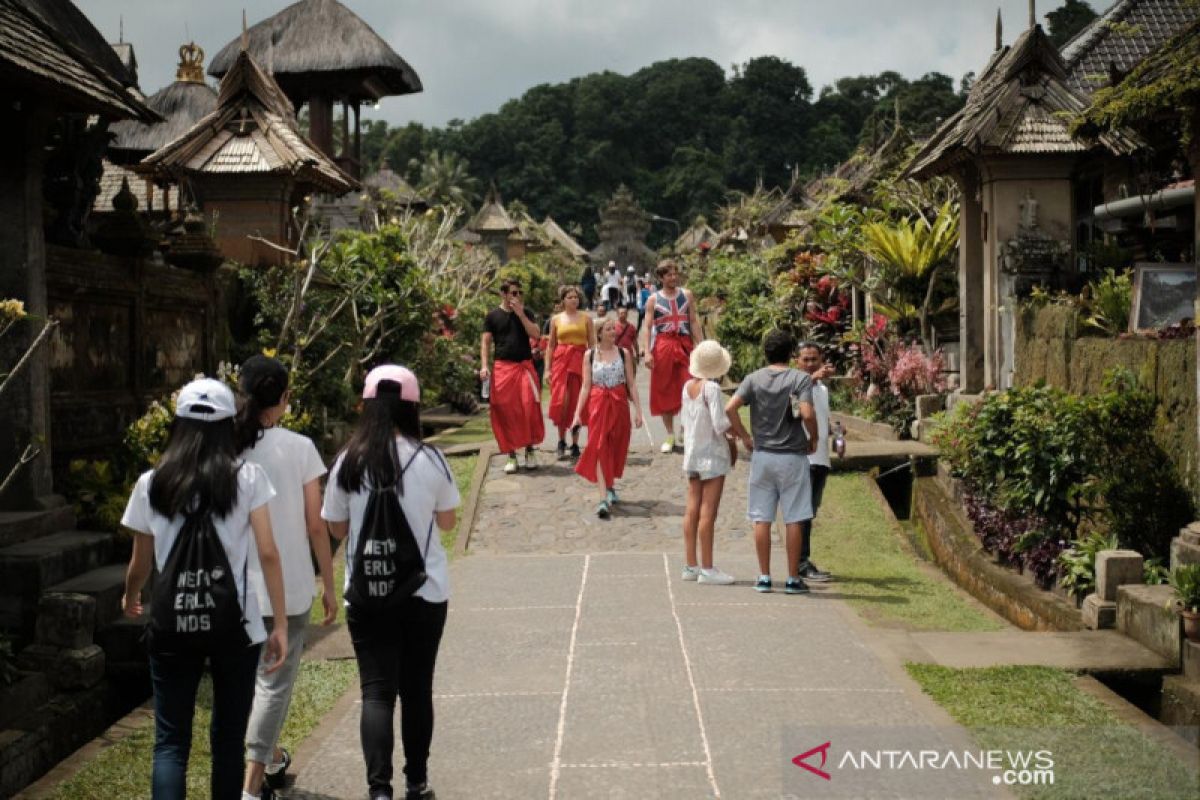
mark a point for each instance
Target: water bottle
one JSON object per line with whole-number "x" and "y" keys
{"x": 485, "y": 391}
{"x": 839, "y": 439}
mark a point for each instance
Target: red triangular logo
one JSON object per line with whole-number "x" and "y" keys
{"x": 823, "y": 749}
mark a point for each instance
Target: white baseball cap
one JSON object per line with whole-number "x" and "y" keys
{"x": 205, "y": 399}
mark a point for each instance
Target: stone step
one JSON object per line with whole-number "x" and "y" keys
{"x": 29, "y": 569}
{"x": 122, "y": 640}
{"x": 106, "y": 584}
{"x": 1185, "y": 549}
{"x": 1147, "y": 614}
{"x": 20, "y": 526}
{"x": 27, "y": 692}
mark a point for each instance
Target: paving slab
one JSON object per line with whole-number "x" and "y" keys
{"x": 1080, "y": 651}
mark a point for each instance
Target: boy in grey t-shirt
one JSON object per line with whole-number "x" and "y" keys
{"x": 785, "y": 432}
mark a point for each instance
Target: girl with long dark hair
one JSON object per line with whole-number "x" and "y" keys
{"x": 294, "y": 468}
{"x": 396, "y": 649}
{"x": 199, "y": 477}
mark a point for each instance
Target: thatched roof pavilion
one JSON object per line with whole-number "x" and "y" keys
{"x": 563, "y": 239}
{"x": 321, "y": 53}
{"x": 181, "y": 105}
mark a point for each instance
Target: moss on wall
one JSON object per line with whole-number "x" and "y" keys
{"x": 1047, "y": 350}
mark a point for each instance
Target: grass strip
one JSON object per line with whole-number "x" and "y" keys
{"x": 1096, "y": 755}
{"x": 855, "y": 540}
{"x": 123, "y": 770}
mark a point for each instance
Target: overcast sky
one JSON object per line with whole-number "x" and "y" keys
{"x": 472, "y": 55}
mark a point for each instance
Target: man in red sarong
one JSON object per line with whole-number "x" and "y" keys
{"x": 515, "y": 405}
{"x": 667, "y": 342}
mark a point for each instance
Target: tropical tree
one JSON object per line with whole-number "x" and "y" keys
{"x": 909, "y": 253}
{"x": 445, "y": 178}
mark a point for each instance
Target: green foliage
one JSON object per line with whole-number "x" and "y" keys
{"x": 98, "y": 491}
{"x": 563, "y": 148}
{"x": 1108, "y": 301}
{"x": 539, "y": 287}
{"x": 744, "y": 283}
{"x": 445, "y": 178}
{"x": 1065, "y": 458}
{"x": 1154, "y": 573}
{"x": 1067, "y": 20}
{"x": 1078, "y": 563}
{"x": 1185, "y": 580}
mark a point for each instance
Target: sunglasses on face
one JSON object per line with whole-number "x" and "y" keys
{"x": 515, "y": 293}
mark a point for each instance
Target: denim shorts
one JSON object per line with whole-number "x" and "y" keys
{"x": 779, "y": 483}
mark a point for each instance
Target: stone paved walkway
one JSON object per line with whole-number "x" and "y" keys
{"x": 576, "y": 663}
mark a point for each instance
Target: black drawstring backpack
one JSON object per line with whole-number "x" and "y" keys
{"x": 388, "y": 565}
{"x": 195, "y": 607}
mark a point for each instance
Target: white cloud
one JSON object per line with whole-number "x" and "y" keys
{"x": 473, "y": 55}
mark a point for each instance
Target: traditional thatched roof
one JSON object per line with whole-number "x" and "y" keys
{"x": 1020, "y": 104}
{"x": 110, "y": 184}
{"x": 320, "y": 46}
{"x": 252, "y": 131}
{"x": 563, "y": 239}
{"x": 492, "y": 217}
{"x": 181, "y": 105}
{"x": 700, "y": 233}
{"x": 1117, "y": 41}
{"x": 128, "y": 58}
{"x": 854, "y": 179}
{"x": 50, "y": 48}
{"x": 1167, "y": 81}
{"x": 385, "y": 179}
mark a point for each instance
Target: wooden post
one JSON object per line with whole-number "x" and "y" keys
{"x": 320, "y": 124}
{"x": 345, "y": 129}
{"x": 358, "y": 167}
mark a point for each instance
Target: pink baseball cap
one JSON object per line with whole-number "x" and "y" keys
{"x": 409, "y": 388}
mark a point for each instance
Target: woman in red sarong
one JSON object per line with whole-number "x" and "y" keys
{"x": 571, "y": 334}
{"x": 670, "y": 334}
{"x": 608, "y": 386}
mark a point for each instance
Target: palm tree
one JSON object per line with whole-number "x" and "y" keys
{"x": 909, "y": 253}
{"x": 445, "y": 178}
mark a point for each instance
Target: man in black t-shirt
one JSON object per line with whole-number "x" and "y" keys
{"x": 515, "y": 405}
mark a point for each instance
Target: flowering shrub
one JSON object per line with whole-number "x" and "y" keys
{"x": 913, "y": 373}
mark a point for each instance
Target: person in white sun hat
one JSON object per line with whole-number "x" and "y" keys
{"x": 708, "y": 455}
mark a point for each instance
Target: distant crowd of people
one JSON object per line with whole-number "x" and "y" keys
{"x": 234, "y": 521}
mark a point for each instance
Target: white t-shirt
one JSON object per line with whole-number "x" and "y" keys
{"x": 428, "y": 487}
{"x": 820, "y": 398}
{"x": 254, "y": 491}
{"x": 613, "y": 279}
{"x": 290, "y": 461}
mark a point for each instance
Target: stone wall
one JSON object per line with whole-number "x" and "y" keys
{"x": 130, "y": 331}
{"x": 1048, "y": 349}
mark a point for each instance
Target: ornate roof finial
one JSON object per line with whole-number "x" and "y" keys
{"x": 1032, "y": 13}
{"x": 245, "y": 33}
{"x": 191, "y": 63}
{"x": 999, "y": 30}
{"x": 121, "y": 29}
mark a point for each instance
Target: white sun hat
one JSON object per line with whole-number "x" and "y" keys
{"x": 709, "y": 360}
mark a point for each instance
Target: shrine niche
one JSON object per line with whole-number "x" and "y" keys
{"x": 1033, "y": 257}
{"x": 622, "y": 230}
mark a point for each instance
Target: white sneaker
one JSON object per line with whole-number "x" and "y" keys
{"x": 530, "y": 459}
{"x": 690, "y": 573}
{"x": 715, "y": 576}
{"x": 668, "y": 445}
{"x": 510, "y": 466}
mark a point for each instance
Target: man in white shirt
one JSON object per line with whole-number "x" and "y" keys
{"x": 612, "y": 285}
{"x": 813, "y": 362}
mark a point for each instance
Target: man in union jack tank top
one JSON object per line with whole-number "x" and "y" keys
{"x": 667, "y": 342}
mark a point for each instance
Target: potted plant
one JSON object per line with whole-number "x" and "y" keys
{"x": 1185, "y": 580}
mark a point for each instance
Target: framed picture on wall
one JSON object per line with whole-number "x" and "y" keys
{"x": 1163, "y": 294}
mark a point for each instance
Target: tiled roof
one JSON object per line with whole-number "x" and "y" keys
{"x": 252, "y": 131}
{"x": 110, "y": 184}
{"x": 1020, "y": 104}
{"x": 34, "y": 53}
{"x": 1121, "y": 37}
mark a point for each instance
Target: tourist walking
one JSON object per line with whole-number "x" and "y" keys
{"x": 626, "y": 333}
{"x": 668, "y": 343}
{"x": 197, "y": 517}
{"x": 587, "y": 282}
{"x": 785, "y": 432}
{"x": 571, "y": 334}
{"x": 612, "y": 285}
{"x": 812, "y": 361}
{"x": 391, "y": 495}
{"x": 294, "y": 467}
{"x": 708, "y": 455}
{"x": 515, "y": 405}
{"x": 645, "y": 289}
{"x": 608, "y": 388}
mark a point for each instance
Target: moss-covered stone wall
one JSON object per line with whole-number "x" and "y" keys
{"x": 1049, "y": 349}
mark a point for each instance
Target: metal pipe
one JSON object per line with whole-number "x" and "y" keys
{"x": 1132, "y": 206}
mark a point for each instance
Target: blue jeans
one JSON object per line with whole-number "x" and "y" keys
{"x": 175, "y": 677}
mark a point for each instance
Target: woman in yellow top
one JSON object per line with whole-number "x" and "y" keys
{"x": 571, "y": 334}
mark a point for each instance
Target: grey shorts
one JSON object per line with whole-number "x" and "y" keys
{"x": 779, "y": 483}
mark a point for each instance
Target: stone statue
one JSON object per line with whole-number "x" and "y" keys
{"x": 1029, "y": 211}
